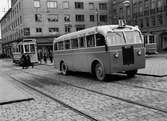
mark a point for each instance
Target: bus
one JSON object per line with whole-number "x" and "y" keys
{"x": 100, "y": 50}
{"x": 27, "y": 46}
{"x": 150, "y": 44}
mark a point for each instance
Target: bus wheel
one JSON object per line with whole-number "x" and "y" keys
{"x": 64, "y": 69}
{"x": 131, "y": 73}
{"x": 99, "y": 72}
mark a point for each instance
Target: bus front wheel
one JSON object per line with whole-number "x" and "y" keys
{"x": 99, "y": 72}
{"x": 131, "y": 73}
{"x": 64, "y": 69}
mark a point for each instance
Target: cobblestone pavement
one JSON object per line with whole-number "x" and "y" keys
{"x": 103, "y": 107}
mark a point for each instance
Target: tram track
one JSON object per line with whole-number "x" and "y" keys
{"x": 100, "y": 93}
{"x": 115, "y": 82}
{"x": 54, "y": 99}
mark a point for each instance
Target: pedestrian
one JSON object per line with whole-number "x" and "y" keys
{"x": 51, "y": 56}
{"x": 40, "y": 57}
{"x": 23, "y": 61}
{"x": 29, "y": 63}
{"x": 45, "y": 58}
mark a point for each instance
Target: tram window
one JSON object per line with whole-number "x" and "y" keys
{"x": 133, "y": 37}
{"x": 60, "y": 45}
{"x": 74, "y": 43}
{"x": 67, "y": 44}
{"x": 82, "y": 42}
{"x": 26, "y": 48}
{"x": 32, "y": 48}
{"x": 115, "y": 38}
{"x": 151, "y": 39}
{"x": 100, "y": 40}
{"x": 90, "y": 41}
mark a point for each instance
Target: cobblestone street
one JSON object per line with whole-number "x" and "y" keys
{"x": 142, "y": 98}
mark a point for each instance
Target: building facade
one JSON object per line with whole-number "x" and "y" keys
{"x": 46, "y": 19}
{"x": 149, "y": 15}
{"x": 0, "y": 46}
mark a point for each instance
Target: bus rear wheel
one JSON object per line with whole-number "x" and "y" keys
{"x": 64, "y": 69}
{"x": 131, "y": 73}
{"x": 99, "y": 72}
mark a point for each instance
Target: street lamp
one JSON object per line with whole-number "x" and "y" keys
{"x": 97, "y": 17}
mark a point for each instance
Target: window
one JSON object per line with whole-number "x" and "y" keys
{"x": 74, "y": 43}
{"x": 159, "y": 4}
{"x": 146, "y": 4}
{"x": 92, "y": 18}
{"x": 67, "y": 18}
{"x": 121, "y": 12}
{"x": 60, "y": 45}
{"x": 26, "y": 31}
{"x": 153, "y": 20}
{"x": 127, "y": 10}
{"x": 38, "y": 17}
{"x": 79, "y": 5}
{"x": 79, "y": 18}
{"x": 91, "y": 6}
{"x": 160, "y": 19}
{"x": 133, "y": 37}
{"x": 32, "y": 48}
{"x": 80, "y": 27}
{"x": 90, "y": 41}
{"x": 82, "y": 42}
{"x": 100, "y": 40}
{"x": 67, "y": 44}
{"x": 153, "y": 4}
{"x": 67, "y": 28}
{"x": 147, "y": 22}
{"x": 38, "y": 29}
{"x": 36, "y": 3}
{"x": 103, "y": 18}
{"x": 65, "y": 4}
{"x": 52, "y": 18}
{"x": 53, "y": 29}
{"x": 140, "y": 7}
{"x": 103, "y": 6}
{"x": 55, "y": 46}
{"x": 52, "y": 4}
{"x": 115, "y": 38}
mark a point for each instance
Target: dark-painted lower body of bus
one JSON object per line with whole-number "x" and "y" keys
{"x": 101, "y": 61}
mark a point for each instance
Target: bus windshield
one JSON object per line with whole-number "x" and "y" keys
{"x": 133, "y": 37}
{"x": 115, "y": 38}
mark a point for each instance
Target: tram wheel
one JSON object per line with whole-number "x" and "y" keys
{"x": 99, "y": 72}
{"x": 64, "y": 69}
{"x": 131, "y": 73}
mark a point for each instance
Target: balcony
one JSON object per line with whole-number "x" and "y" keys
{"x": 159, "y": 9}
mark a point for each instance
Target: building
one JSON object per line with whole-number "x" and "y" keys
{"x": 46, "y": 19}
{"x": 149, "y": 15}
{"x": 0, "y": 46}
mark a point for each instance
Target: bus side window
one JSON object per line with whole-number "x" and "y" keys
{"x": 55, "y": 46}
{"x": 67, "y": 44}
{"x": 74, "y": 43}
{"x": 60, "y": 45}
{"x": 82, "y": 42}
{"x": 32, "y": 48}
{"x": 90, "y": 41}
{"x": 100, "y": 40}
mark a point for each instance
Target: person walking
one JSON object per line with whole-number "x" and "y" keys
{"x": 23, "y": 61}
{"x": 29, "y": 63}
{"x": 40, "y": 57}
{"x": 51, "y": 56}
{"x": 45, "y": 58}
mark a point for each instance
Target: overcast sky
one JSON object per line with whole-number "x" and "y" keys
{"x": 3, "y": 8}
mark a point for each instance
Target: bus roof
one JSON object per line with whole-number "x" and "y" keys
{"x": 97, "y": 29}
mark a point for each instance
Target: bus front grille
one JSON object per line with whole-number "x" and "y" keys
{"x": 128, "y": 55}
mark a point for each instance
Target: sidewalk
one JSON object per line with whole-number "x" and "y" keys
{"x": 156, "y": 65}
{"x": 9, "y": 93}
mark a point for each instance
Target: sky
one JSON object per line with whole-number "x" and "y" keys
{"x": 3, "y": 8}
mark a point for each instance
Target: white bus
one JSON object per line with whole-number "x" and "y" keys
{"x": 100, "y": 50}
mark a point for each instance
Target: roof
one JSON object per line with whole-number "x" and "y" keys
{"x": 97, "y": 29}
{"x": 5, "y": 14}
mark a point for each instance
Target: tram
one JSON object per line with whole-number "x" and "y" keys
{"x": 101, "y": 50}
{"x": 150, "y": 44}
{"x": 27, "y": 46}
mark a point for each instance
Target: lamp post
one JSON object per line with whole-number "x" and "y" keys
{"x": 97, "y": 17}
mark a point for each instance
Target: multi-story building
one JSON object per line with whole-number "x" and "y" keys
{"x": 46, "y": 19}
{"x": 0, "y": 46}
{"x": 149, "y": 15}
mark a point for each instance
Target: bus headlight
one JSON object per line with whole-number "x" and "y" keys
{"x": 116, "y": 55}
{"x": 139, "y": 53}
